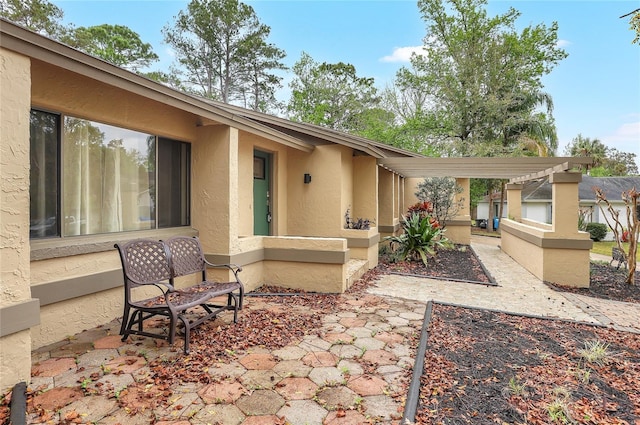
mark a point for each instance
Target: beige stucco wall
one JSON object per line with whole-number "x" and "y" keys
{"x": 214, "y": 188}
{"x": 315, "y": 277}
{"x": 59, "y": 320}
{"x": 315, "y": 209}
{"x": 15, "y": 83}
{"x": 410, "y": 187}
{"x": 532, "y": 247}
{"x": 365, "y": 184}
{"x": 61, "y": 91}
{"x": 386, "y": 190}
{"x": 558, "y": 252}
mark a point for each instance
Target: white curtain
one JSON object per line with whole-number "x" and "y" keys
{"x": 105, "y": 172}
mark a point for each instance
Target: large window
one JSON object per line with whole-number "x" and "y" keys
{"x": 111, "y": 179}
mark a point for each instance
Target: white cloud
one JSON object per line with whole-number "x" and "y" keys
{"x": 626, "y": 138}
{"x": 627, "y": 132}
{"x": 403, "y": 54}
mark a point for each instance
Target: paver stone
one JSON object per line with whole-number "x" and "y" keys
{"x": 320, "y": 359}
{"x": 57, "y": 398}
{"x": 90, "y": 409}
{"x": 345, "y": 417}
{"x": 367, "y": 385}
{"x": 53, "y": 367}
{"x": 111, "y": 341}
{"x": 258, "y": 361}
{"x": 379, "y": 357}
{"x": 296, "y": 388}
{"x": 260, "y": 402}
{"x": 303, "y": 412}
{"x": 221, "y": 392}
{"x": 227, "y": 414}
{"x": 332, "y": 398}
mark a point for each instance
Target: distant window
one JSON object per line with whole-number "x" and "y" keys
{"x": 111, "y": 179}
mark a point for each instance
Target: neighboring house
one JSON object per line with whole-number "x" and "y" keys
{"x": 92, "y": 154}
{"x": 536, "y": 199}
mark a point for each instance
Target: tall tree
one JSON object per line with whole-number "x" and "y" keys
{"x": 258, "y": 90}
{"x": 587, "y": 147}
{"x": 331, "y": 95}
{"x": 634, "y": 24}
{"x": 477, "y": 69}
{"x": 222, "y": 52}
{"x": 40, "y": 16}
{"x": 418, "y": 125}
{"x": 116, "y": 44}
{"x": 607, "y": 161}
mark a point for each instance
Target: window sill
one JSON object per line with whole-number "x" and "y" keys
{"x": 44, "y": 249}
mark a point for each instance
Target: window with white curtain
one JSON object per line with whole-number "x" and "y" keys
{"x": 111, "y": 179}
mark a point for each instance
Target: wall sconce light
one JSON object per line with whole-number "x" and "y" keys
{"x": 307, "y": 178}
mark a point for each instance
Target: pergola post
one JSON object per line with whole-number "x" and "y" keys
{"x": 565, "y": 203}
{"x": 459, "y": 227}
{"x": 514, "y": 201}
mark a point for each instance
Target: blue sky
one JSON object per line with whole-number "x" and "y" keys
{"x": 596, "y": 90}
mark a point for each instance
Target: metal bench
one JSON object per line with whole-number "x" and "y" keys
{"x": 150, "y": 263}
{"x": 619, "y": 256}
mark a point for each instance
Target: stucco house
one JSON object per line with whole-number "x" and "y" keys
{"x": 537, "y": 199}
{"x": 92, "y": 154}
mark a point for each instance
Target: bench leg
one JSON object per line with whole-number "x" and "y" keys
{"x": 187, "y": 333}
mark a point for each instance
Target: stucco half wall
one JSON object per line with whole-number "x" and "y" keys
{"x": 558, "y": 260}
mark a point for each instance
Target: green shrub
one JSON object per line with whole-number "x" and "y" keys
{"x": 421, "y": 235}
{"x": 597, "y": 231}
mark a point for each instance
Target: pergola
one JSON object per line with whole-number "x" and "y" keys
{"x": 556, "y": 252}
{"x": 520, "y": 169}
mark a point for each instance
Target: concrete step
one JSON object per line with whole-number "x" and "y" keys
{"x": 355, "y": 270}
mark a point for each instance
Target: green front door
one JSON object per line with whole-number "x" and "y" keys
{"x": 261, "y": 193}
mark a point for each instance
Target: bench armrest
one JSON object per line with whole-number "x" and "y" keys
{"x": 233, "y": 267}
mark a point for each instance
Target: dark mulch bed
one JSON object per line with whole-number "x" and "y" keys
{"x": 462, "y": 264}
{"x": 484, "y": 367}
{"x": 459, "y": 263}
{"x": 609, "y": 283}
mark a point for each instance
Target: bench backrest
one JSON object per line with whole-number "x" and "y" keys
{"x": 144, "y": 262}
{"x": 185, "y": 256}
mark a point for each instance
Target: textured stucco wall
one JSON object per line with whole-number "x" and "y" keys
{"x": 410, "y": 188}
{"x": 15, "y": 84}
{"x": 315, "y": 209}
{"x": 63, "y": 91}
{"x": 386, "y": 190}
{"x": 365, "y": 185}
{"x": 214, "y": 188}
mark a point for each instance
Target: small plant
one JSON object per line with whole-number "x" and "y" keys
{"x": 420, "y": 237}
{"x": 595, "y": 352}
{"x": 515, "y": 387}
{"x": 357, "y": 224}
{"x": 558, "y": 410}
{"x": 85, "y": 383}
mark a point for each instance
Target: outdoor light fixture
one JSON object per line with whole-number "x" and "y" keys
{"x": 307, "y": 178}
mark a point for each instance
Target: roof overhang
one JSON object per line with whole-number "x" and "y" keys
{"x": 516, "y": 169}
